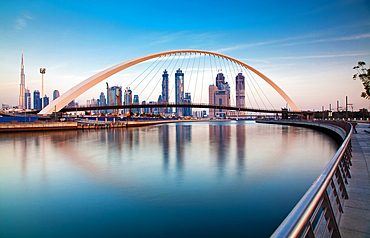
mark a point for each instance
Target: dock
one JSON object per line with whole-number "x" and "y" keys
{"x": 40, "y": 126}
{"x": 84, "y": 124}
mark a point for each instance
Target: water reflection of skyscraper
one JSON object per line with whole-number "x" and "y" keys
{"x": 165, "y": 145}
{"x": 240, "y": 146}
{"x": 183, "y": 136}
{"x": 219, "y": 138}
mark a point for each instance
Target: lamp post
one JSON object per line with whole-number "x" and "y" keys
{"x": 42, "y": 72}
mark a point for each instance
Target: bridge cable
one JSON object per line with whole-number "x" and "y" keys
{"x": 256, "y": 89}
{"x": 196, "y": 80}
{"x": 247, "y": 94}
{"x": 184, "y": 73}
{"x": 152, "y": 80}
{"x": 185, "y": 70}
{"x": 160, "y": 77}
{"x": 191, "y": 72}
{"x": 210, "y": 60}
{"x": 248, "y": 71}
{"x": 183, "y": 61}
{"x": 248, "y": 88}
{"x": 143, "y": 71}
{"x": 231, "y": 78}
{"x": 204, "y": 69}
{"x": 146, "y": 75}
{"x": 220, "y": 68}
{"x": 175, "y": 80}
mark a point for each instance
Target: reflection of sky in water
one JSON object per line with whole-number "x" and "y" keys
{"x": 190, "y": 179}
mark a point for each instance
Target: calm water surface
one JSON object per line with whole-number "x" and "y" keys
{"x": 204, "y": 179}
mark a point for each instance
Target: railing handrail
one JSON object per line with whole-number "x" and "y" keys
{"x": 297, "y": 219}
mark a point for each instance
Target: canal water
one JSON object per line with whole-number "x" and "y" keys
{"x": 201, "y": 179}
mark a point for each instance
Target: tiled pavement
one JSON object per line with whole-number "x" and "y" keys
{"x": 355, "y": 221}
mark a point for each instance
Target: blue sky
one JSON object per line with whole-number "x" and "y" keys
{"x": 308, "y": 48}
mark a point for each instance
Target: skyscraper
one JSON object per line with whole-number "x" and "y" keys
{"x": 46, "y": 100}
{"x": 219, "y": 95}
{"x": 136, "y": 102}
{"x": 56, "y": 94}
{"x": 187, "y": 110}
{"x": 102, "y": 100}
{"x": 128, "y": 98}
{"x": 179, "y": 86}
{"x": 240, "y": 91}
{"x": 22, "y": 89}
{"x": 36, "y": 100}
{"x": 115, "y": 95}
{"x": 27, "y": 99}
{"x": 165, "y": 89}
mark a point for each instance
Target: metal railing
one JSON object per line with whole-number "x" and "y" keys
{"x": 319, "y": 211}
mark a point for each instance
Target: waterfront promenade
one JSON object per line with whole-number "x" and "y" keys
{"x": 355, "y": 222}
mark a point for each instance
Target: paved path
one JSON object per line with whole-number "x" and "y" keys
{"x": 355, "y": 222}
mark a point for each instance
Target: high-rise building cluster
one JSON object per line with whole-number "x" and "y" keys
{"x": 25, "y": 101}
{"x": 219, "y": 94}
{"x": 115, "y": 97}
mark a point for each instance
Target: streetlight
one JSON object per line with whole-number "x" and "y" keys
{"x": 42, "y": 72}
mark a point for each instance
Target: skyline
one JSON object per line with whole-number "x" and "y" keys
{"x": 307, "y": 49}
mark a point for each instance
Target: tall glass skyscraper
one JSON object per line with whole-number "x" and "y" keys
{"x": 102, "y": 100}
{"x": 56, "y": 94}
{"x": 114, "y": 95}
{"x": 187, "y": 110}
{"x": 27, "y": 99}
{"x": 136, "y": 102}
{"x": 179, "y": 85}
{"x": 37, "y": 100}
{"x": 165, "y": 95}
{"x": 46, "y": 100}
{"x": 128, "y": 98}
{"x": 22, "y": 89}
{"x": 240, "y": 91}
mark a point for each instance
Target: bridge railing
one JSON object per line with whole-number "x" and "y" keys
{"x": 319, "y": 211}
{"x": 170, "y": 104}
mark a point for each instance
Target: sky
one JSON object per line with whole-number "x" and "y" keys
{"x": 308, "y": 48}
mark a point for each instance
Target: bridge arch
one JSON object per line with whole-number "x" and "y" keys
{"x": 88, "y": 83}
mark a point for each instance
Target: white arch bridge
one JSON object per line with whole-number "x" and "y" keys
{"x": 60, "y": 103}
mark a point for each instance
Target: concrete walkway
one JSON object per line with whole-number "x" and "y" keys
{"x": 355, "y": 222}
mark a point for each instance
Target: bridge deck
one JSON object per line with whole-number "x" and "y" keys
{"x": 355, "y": 220}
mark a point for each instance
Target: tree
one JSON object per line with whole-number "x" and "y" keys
{"x": 364, "y": 75}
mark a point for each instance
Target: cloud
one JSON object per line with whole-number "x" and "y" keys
{"x": 245, "y": 46}
{"x": 343, "y": 38}
{"x": 319, "y": 56}
{"x": 254, "y": 60}
{"x": 21, "y": 22}
{"x": 267, "y": 42}
{"x": 166, "y": 37}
